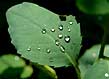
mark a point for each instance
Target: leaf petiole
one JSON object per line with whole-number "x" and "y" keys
{"x": 74, "y": 63}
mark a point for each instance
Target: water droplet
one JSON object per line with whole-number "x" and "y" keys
{"x": 106, "y": 75}
{"x": 44, "y": 31}
{"x": 57, "y": 42}
{"x": 70, "y": 22}
{"x": 48, "y": 50}
{"x": 60, "y": 27}
{"x": 16, "y": 58}
{"x": 67, "y": 39}
{"x": 52, "y": 30}
{"x": 69, "y": 29}
{"x": 38, "y": 48}
{"x": 60, "y": 36}
{"x": 62, "y": 48}
{"x": 29, "y": 49}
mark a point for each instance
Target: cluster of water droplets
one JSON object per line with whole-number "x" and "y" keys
{"x": 66, "y": 38}
{"x": 47, "y": 50}
{"x": 60, "y": 36}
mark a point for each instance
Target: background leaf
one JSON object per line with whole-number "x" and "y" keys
{"x": 12, "y": 67}
{"x": 93, "y": 6}
{"x": 100, "y": 70}
{"x": 89, "y": 57}
{"x": 40, "y": 36}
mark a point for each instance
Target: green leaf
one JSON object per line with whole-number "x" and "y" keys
{"x": 39, "y": 35}
{"x": 100, "y": 70}
{"x": 12, "y": 66}
{"x": 93, "y": 6}
{"x": 89, "y": 57}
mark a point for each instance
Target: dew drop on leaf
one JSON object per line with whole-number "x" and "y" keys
{"x": 67, "y": 39}
{"x": 43, "y": 31}
{"x": 60, "y": 36}
{"x": 38, "y": 48}
{"x": 106, "y": 75}
{"x": 29, "y": 49}
{"x": 48, "y": 50}
{"x": 60, "y": 27}
{"x": 70, "y": 22}
{"x": 62, "y": 48}
{"x": 69, "y": 29}
{"x": 57, "y": 42}
{"x": 52, "y": 30}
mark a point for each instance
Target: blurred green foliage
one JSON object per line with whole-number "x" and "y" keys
{"x": 96, "y": 7}
{"x": 12, "y": 67}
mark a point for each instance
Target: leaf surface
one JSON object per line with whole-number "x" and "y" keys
{"x": 39, "y": 35}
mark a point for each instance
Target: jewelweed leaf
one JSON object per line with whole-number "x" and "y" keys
{"x": 100, "y": 70}
{"x": 93, "y": 6}
{"x": 41, "y": 37}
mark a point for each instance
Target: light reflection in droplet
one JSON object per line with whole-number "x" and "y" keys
{"x": 106, "y": 75}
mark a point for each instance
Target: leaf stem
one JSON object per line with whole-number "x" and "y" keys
{"x": 101, "y": 54}
{"x": 74, "y": 63}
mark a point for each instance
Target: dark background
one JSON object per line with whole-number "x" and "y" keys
{"x": 90, "y": 31}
